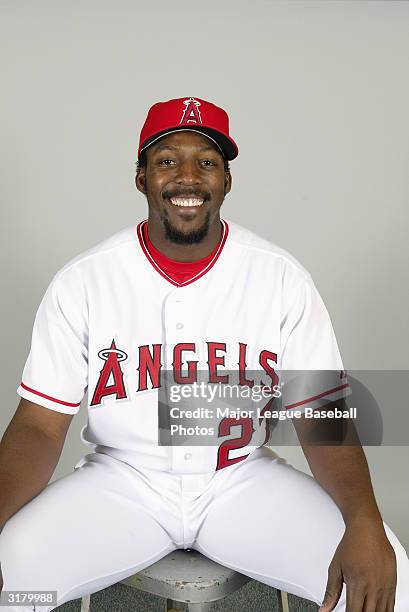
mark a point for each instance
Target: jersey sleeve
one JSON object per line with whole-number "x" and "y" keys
{"x": 56, "y": 371}
{"x": 311, "y": 366}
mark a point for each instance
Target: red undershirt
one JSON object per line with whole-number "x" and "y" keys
{"x": 177, "y": 270}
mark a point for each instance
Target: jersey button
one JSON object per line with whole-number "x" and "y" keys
{"x": 188, "y": 456}
{"x": 179, "y": 325}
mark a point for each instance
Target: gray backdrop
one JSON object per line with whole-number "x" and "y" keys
{"x": 318, "y": 97}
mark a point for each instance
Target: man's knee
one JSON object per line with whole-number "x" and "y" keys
{"x": 402, "y": 563}
{"x": 22, "y": 550}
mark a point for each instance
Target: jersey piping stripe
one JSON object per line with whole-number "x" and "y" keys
{"x": 311, "y": 399}
{"x": 53, "y": 399}
{"x": 211, "y": 263}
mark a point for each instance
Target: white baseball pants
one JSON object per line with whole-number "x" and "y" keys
{"x": 106, "y": 521}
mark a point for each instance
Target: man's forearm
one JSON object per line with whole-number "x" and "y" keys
{"x": 337, "y": 461}
{"x": 28, "y": 458}
{"x": 343, "y": 473}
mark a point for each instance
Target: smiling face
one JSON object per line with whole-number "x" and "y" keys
{"x": 185, "y": 182}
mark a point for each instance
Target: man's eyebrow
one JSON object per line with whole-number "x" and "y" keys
{"x": 160, "y": 147}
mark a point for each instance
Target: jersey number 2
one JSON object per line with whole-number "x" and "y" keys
{"x": 225, "y": 447}
{"x": 247, "y": 431}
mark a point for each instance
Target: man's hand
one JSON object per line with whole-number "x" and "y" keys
{"x": 365, "y": 561}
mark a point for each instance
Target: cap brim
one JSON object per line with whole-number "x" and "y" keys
{"x": 228, "y": 150}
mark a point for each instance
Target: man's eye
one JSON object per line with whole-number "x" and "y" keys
{"x": 207, "y": 161}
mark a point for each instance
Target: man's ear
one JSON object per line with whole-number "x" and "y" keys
{"x": 227, "y": 182}
{"x": 140, "y": 180}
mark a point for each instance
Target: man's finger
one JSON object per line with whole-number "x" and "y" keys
{"x": 386, "y": 602}
{"x": 355, "y": 598}
{"x": 391, "y": 603}
{"x": 333, "y": 590}
{"x": 373, "y": 603}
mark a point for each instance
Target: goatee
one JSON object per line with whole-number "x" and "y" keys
{"x": 194, "y": 237}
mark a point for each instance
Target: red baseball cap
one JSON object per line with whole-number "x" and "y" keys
{"x": 192, "y": 114}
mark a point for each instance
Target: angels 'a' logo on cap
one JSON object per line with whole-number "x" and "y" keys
{"x": 191, "y": 113}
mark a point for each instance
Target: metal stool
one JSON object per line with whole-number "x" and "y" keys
{"x": 189, "y": 577}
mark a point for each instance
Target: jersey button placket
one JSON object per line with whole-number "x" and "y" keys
{"x": 178, "y": 322}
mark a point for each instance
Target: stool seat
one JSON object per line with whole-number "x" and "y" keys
{"x": 187, "y": 576}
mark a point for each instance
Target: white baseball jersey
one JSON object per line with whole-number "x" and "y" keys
{"x": 111, "y": 322}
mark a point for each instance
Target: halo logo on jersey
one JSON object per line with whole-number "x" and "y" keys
{"x": 111, "y": 369}
{"x": 191, "y": 114}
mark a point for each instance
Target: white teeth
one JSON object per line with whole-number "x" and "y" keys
{"x": 187, "y": 201}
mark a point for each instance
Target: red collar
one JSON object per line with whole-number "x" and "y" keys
{"x": 179, "y": 273}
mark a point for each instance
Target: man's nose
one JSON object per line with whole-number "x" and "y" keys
{"x": 188, "y": 172}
